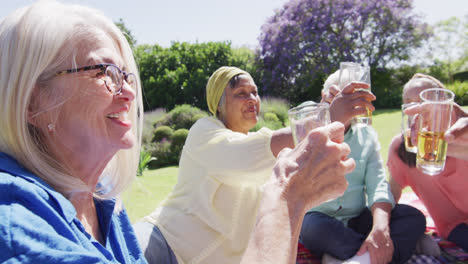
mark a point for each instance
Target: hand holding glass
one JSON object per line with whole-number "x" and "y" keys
{"x": 406, "y": 123}
{"x": 355, "y": 72}
{"x": 434, "y": 120}
{"x": 306, "y": 117}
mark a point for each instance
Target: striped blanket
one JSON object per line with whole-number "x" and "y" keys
{"x": 450, "y": 253}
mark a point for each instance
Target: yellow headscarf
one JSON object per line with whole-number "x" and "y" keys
{"x": 217, "y": 83}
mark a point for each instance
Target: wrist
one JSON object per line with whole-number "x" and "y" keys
{"x": 276, "y": 198}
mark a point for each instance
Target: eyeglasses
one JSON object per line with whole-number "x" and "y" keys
{"x": 113, "y": 77}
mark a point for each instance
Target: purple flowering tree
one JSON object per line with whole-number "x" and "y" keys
{"x": 305, "y": 41}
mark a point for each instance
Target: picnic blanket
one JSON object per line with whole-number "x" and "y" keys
{"x": 450, "y": 253}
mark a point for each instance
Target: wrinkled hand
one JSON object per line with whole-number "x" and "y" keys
{"x": 313, "y": 172}
{"x": 346, "y": 104}
{"x": 379, "y": 245}
{"x": 457, "y": 139}
{"x": 327, "y": 96}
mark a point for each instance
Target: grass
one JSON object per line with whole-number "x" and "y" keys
{"x": 150, "y": 189}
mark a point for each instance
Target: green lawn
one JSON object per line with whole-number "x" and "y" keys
{"x": 150, "y": 189}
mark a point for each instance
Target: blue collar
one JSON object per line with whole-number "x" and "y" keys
{"x": 9, "y": 165}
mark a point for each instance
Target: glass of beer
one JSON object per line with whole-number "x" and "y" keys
{"x": 407, "y": 122}
{"x": 355, "y": 72}
{"x": 434, "y": 120}
{"x": 307, "y": 116}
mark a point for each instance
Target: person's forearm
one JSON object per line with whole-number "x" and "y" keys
{"x": 281, "y": 138}
{"x": 395, "y": 189}
{"x": 276, "y": 233}
{"x": 381, "y": 213}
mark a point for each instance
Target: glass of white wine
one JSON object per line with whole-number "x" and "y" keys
{"x": 434, "y": 120}
{"x": 355, "y": 72}
{"x": 307, "y": 116}
{"x": 407, "y": 121}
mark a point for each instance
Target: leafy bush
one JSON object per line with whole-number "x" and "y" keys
{"x": 163, "y": 154}
{"x": 182, "y": 116}
{"x": 167, "y": 152}
{"x": 273, "y": 114}
{"x": 271, "y": 117}
{"x": 277, "y": 106}
{"x": 162, "y": 132}
{"x": 461, "y": 91}
{"x": 271, "y": 123}
{"x": 178, "y": 141}
{"x": 148, "y": 124}
{"x": 179, "y": 136}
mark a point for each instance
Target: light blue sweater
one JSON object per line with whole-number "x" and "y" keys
{"x": 367, "y": 183}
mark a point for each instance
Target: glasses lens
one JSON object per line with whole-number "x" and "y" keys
{"x": 116, "y": 78}
{"x": 131, "y": 80}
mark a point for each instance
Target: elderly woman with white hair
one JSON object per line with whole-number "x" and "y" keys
{"x": 211, "y": 213}
{"x": 70, "y": 101}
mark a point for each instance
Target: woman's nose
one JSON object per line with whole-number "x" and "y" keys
{"x": 127, "y": 93}
{"x": 252, "y": 98}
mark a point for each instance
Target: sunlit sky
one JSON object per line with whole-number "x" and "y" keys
{"x": 239, "y": 21}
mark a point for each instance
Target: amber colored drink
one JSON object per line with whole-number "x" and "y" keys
{"x": 432, "y": 151}
{"x": 408, "y": 144}
{"x": 365, "y": 119}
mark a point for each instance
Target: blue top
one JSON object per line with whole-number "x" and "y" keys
{"x": 367, "y": 184}
{"x": 39, "y": 225}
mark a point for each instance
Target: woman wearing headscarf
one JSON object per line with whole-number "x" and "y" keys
{"x": 210, "y": 214}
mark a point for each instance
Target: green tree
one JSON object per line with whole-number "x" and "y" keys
{"x": 127, "y": 33}
{"x": 305, "y": 41}
{"x": 178, "y": 75}
{"x": 449, "y": 48}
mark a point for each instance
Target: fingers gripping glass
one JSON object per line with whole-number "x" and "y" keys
{"x": 113, "y": 76}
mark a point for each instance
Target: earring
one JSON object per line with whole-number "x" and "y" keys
{"x": 50, "y": 127}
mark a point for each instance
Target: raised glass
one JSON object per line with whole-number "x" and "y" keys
{"x": 355, "y": 72}
{"x": 407, "y": 122}
{"x": 307, "y": 116}
{"x": 434, "y": 120}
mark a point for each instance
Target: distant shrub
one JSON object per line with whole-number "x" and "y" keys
{"x": 170, "y": 134}
{"x": 273, "y": 114}
{"x": 182, "y": 116}
{"x": 148, "y": 121}
{"x": 179, "y": 136}
{"x": 163, "y": 154}
{"x": 461, "y": 91}
{"x": 277, "y": 106}
{"x": 162, "y": 132}
{"x": 271, "y": 117}
{"x": 178, "y": 141}
{"x": 272, "y": 121}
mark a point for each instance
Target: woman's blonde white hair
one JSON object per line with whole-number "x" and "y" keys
{"x": 35, "y": 42}
{"x": 333, "y": 79}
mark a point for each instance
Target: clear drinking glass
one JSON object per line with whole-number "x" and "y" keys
{"x": 407, "y": 121}
{"x": 434, "y": 120}
{"x": 355, "y": 72}
{"x": 307, "y": 116}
